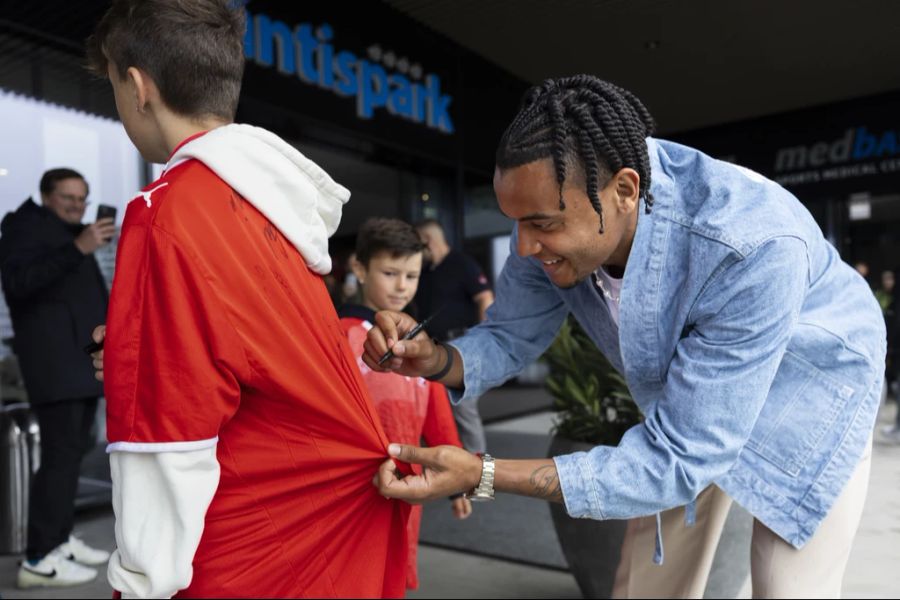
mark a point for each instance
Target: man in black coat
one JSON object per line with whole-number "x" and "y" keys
{"x": 56, "y": 296}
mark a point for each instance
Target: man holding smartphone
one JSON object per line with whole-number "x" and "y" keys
{"x": 56, "y": 296}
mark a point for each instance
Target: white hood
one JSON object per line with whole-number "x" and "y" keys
{"x": 293, "y": 192}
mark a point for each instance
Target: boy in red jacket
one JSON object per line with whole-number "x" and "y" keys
{"x": 388, "y": 263}
{"x": 242, "y": 440}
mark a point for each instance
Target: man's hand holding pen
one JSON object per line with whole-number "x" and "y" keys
{"x": 416, "y": 357}
{"x": 412, "y": 333}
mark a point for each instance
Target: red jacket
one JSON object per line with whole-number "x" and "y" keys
{"x": 217, "y": 329}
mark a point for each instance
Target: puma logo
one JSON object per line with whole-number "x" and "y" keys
{"x": 146, "y": 195}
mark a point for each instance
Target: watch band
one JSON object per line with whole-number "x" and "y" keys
{"x": 485, "y": 489}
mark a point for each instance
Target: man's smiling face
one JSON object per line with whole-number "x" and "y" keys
{"x": 567, "y": 242}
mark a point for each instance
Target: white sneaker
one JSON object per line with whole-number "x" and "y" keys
{"x": 80, "y": 552}
{"x": 54, "y": 570}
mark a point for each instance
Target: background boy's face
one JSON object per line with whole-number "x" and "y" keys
{"x": 389, "y": 283}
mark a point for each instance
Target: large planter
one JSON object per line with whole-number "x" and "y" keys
{"x": 592, "y": 548}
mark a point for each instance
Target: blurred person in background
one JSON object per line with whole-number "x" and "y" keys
{"x": 455, "y": 290}
{"x": 350, "y": 287}
{"x": 885, "y": 292}
{"x": 862, "y": 267}
{"x": 887, "y": 299}
{"x": 56, "y": 296}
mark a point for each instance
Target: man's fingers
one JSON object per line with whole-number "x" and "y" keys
{"x": 371, "y": 356}
{"x": 403, "y": 452}
{"x": 417, "y": 348}
{"x": 394, "y": 325}
{"x": 389, "y": 327}
{"x": 98, "y": 335}
{"x": 462, "y": 508}
{"x": 386, "y": 475}
{"x": 98, "y": 365}
{"x": 104, "y": 231}
{"x": 386, "y": 325}
{"x": 390, "y": 485}
{"x": 426, "y": 457}
{"x": 376, "y": 343}
{"x": 412, "y": 488}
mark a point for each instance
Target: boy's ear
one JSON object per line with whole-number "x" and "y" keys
{"x": 141, "y": 85}
{"x": 359, "y": 270}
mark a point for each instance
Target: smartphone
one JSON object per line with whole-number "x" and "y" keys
{"x": 105, "y": 211}
{"x": 93, "y": 347}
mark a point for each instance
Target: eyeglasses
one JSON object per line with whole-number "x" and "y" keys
{"x": 72, "y": 198}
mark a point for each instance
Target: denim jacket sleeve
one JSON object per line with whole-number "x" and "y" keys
{"x": 521, "y": 323}
{"x": 713, "y": 389}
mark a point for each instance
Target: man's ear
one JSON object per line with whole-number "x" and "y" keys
{"x": 627, "y": 189}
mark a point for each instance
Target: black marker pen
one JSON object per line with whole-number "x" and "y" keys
{"x": 410, "y": 335}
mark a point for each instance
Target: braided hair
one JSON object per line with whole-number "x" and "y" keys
{"x": 581, "y": 121}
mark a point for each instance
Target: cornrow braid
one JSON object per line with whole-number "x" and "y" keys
{"x": 581, "y": 121}
{"x": 560, "y": 133}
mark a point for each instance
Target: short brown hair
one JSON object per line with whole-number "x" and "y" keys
{"x": 54, "y": 176}
{"x": 192, "y": 49}
{"x": 379, "y": 234}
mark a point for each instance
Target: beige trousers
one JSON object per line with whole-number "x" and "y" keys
{"x": 778, "y": 570}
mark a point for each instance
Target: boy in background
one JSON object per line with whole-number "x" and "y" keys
{"x": 242, "y": 441}
{"x": 387, "y": 265}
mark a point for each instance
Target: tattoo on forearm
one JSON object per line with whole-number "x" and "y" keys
{"x": 545, "y": 482}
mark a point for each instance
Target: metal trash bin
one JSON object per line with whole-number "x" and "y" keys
{"x": 19, "y": 460}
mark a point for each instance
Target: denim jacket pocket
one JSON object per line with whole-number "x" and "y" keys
{"x": 802, "y": 406}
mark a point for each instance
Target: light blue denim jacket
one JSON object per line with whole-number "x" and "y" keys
{"x": 755, "y": 353}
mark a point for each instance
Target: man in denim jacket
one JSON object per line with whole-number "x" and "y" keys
{"x": 755, "y": 353}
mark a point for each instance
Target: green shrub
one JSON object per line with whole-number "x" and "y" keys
{"x": 591, "y": 398}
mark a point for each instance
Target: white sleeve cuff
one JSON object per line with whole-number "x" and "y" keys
{"x": 160, "y": 501}
{"x": 156, "y": 447}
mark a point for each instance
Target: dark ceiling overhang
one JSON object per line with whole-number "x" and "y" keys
{"x": 695, "y": 63}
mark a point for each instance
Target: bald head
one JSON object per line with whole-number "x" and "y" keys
{"x": 435, "y": 241}
{"x": 431, "y": 228}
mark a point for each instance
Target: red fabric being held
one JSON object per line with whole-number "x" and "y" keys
{"x": 410, "y": 408}
{"x": 217, "y": 328}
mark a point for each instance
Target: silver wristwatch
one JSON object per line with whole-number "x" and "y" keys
{"x": 485, "y": 489}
